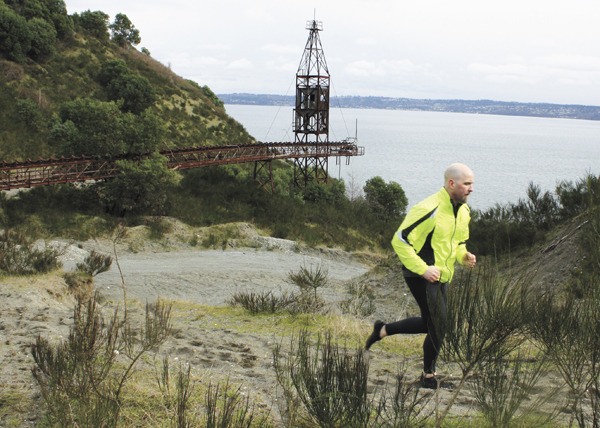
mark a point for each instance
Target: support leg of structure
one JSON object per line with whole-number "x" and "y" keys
{"x": 310, "y": 169}
{"x": 262, "y": 169}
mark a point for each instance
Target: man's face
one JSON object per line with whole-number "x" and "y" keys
{"x": 461, "y": 188}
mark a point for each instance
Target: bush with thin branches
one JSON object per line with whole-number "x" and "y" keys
{"x": 82, "y": 378}
{"x": 95, "y": 263}
{"x": 330, "y": 382}
{"x": 504, "y": 390}
{"x": 263, "y": 302}
{"x": 20, "y": 256}
{"x": 485, "y": 319}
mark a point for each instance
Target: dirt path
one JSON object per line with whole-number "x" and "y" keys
{"x": 211, "y": 277}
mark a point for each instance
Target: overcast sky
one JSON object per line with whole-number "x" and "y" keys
{"x": 508, "y": 50}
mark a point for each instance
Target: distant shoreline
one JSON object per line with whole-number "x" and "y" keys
{"x": 506, "y": 108}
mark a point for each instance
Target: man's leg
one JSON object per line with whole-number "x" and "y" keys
{"x": 436, "y": 324}
{"x": 412, "y": 325}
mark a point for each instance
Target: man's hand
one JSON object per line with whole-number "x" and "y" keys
{"x": 470, "y": 260}
{"x": 432, "y": 274}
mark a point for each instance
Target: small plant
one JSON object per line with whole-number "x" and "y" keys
{"x": 504, "y": 390}
{"x": 361, "y": 301}
{"x": 263, "y": 302}
{"x": 179, "y": 404}
{"x": 158, "y": 227}
{"x": 309, "y": 280}
{"x": 226, "y": 407}
{"x": 95, "y": 263}
{"x": 406, "y": 408}
{"x": 79, "y": 283}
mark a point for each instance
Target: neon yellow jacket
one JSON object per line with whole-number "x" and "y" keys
{"x": 434, "y": 232}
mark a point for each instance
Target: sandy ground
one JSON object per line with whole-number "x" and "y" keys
{"x": 211, "y": 277}
{"x": 42, "y": 305}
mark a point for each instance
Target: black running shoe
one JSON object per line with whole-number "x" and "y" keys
{"x": 429, "y": 382}
{"x": 374, "y": 337}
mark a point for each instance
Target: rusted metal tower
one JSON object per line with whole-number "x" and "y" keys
{"x": 311, "y": 112}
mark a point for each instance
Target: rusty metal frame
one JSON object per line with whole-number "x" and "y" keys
{"x": 19, "y": 175}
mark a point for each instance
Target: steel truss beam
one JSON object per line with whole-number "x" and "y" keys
{"x": 19, "y": 175}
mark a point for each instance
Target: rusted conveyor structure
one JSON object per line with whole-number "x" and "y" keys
{"x": 20, "y": 175}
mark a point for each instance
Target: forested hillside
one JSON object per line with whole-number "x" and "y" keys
{"x": 76, "y": 84}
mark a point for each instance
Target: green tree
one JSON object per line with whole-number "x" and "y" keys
{"x": 96, "y": 128}
{"x": 140, "y": 187}
{"x": 134, "y": 91}
{"x": 123, "y": 31}
{"x": 142, "y": 133}
{"x": 93, "y": 23}
{"x": 90, "y": 127}
{"x": 332, "y": 192}
{"x": 30, "y": 114}
{"x": 387, "y": 201}
{"x": 43, "y": 39}
{"x": 59, "y": 16}
{"x": 15, "y": 35}
{"x": 111, "y": 70}
{"x": 54, "y": 12}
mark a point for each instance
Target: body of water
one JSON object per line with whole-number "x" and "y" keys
{"x": 413, "y": 148}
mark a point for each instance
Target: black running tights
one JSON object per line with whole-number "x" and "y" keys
{"x": 431, "y": 298}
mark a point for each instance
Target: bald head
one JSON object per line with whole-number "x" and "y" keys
{"x": 458, "y": 182}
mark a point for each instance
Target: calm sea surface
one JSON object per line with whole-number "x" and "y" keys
{"x": 412, "y": 148}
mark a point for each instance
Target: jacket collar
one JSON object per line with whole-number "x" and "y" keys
{"x": 445, "y": 197}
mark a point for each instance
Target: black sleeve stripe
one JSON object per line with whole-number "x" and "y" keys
{"x": 406, "y": 232}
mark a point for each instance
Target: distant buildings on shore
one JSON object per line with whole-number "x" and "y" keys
{"x": 457, "y": 106}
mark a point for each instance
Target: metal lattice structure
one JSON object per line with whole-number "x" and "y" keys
{"x": 311, "y": 112}
{"x": 20, "y": 175}
{"x": 310, "y": 151}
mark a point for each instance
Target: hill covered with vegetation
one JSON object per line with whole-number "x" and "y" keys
{"x": 75, "y": 84}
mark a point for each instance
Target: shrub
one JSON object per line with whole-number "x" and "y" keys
{"x": 484, "y": 323}
{"x": 82, "y": 378}
{"x": 505, "y": 389}
{"x": 263, "y": 302}
{"x": 566, "y": 328}
{"x": 18, "y": 256}
{"x": 226, "y": 407}
{"x": 361, "y": 303}
{"x": 310, "y": 279}
{"x": 330, "y": 382}
{"x": 15, "y": 34}
{"x": 95, "y": 263}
